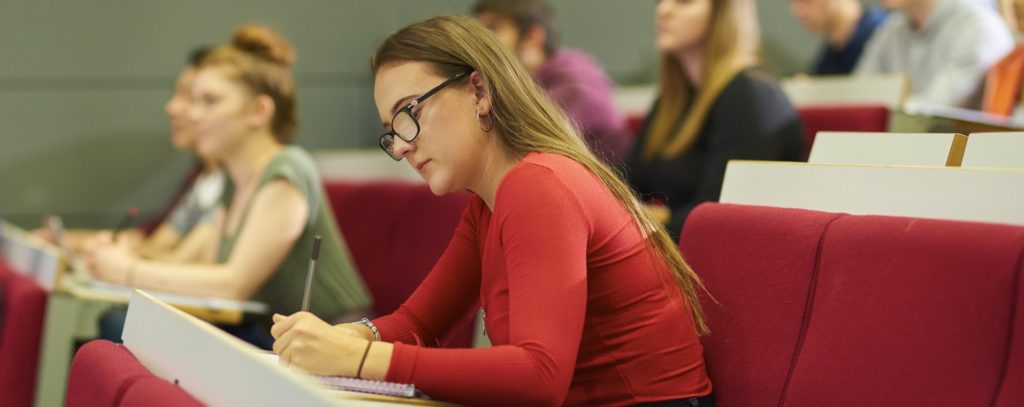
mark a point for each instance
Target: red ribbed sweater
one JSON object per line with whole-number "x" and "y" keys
{"x": 578, "y": 309}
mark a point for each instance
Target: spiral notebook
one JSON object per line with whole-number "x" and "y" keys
{"x": 377, "y": 387}
{"x": 372, "y": 386}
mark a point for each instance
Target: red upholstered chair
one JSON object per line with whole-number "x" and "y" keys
{"x": 5, "y": 269}
{"x": 912, "y": 312}
{"x": 831, "y": 309}
{"x": 107, "y": 374}
{"x": 396, "y": 231}
{"x": 24, "y": 308}
{"x": 758, "y": 263}
{"x": 153, "y": 391}
{"x": 101, "y": 373}
{"x": 841, "y": 118}
{"x": 634, "y": 123}
{"x": 1011, "y": 393}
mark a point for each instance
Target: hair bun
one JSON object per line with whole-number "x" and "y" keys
{"x": 264, "y": 43}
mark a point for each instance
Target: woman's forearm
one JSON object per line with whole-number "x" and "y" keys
{"x": 192, "y": 279}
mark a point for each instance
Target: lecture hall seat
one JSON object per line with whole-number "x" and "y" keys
{"x": 100, "y": 374}
{"x": 23, "y": 311}
{"x": 841, "y": 118}
{"x": 634, "y": 123}
{"x": 757, "y": 263}
{"x": 153, "y": 391}
{"x": 104, "y": 373}
{"x": 817, "y": 308}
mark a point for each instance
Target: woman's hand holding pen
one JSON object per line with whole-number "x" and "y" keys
{"x": 306, "y": 342}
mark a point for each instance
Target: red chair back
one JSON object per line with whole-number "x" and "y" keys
{"x": 821, "y": 308}
{"x": 101, "y": 373}
{"x": 153, "y": 391}
{"x": 107, "y": 374}
{"x": 758, "y": 263}
{"x": 914, "y": 311}
{"x": 634, "y": 123}
{"x": 21, "y": 324}
{"x": 841, "y": 118}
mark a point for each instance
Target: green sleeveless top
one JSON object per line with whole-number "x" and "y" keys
{"x": 337, "y": 287}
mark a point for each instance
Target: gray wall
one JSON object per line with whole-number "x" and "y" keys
{"x": 82, "y": 84}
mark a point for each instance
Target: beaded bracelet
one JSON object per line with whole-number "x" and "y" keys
{"x": 366, "y": 322}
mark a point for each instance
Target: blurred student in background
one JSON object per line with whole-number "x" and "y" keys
{"x": 244, "y": 112}
{"x": 946, "y": 47}
{"x": 586, "y": 299}
{"x": 845, "y": 25}
{"x": 1013, "y": 13}
{"x": 184, "y": 228}
{"x": 712, "y": 107}
{"x": 570, "y": 77}
{"x": 1005, "y": 80}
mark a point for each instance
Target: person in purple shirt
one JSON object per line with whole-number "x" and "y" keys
{"x": 571, "y": 78}
{"x": 846, "y": 26}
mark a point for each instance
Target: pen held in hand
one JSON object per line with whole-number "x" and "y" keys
{"x": 309, "y": 274}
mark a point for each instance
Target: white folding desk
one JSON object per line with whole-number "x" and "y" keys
{"x": 994, "y": 196}
{"x": 879, "y": 90}
{"x": 935, "y": 149}
{"x": 994, "y": 150}
{"x": 221, "y": 370}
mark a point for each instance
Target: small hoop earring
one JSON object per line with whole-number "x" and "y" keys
{"x": 481, "y": 123}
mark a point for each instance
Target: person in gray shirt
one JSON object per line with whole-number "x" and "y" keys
{"x": 945, "y": 46}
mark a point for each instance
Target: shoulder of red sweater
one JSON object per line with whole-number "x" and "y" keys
{"x": 545, "y": 167}
{"x": 540, "y": 172}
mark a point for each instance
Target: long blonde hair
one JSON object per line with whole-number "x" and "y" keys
{"x": 732, "y": 44}
{"x": 524, "y": 119}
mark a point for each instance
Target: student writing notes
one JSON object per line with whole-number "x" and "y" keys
{"x": 587, "y": 300}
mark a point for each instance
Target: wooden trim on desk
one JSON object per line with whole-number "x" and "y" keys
{"x": 956, "y": 150}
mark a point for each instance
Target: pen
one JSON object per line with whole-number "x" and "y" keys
{"x": 55, "y": 225}
{"x": 126, "y": 221}
{"x": 310, "y": 272}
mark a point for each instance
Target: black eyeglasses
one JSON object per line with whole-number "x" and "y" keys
{"x": 404, "y": 124}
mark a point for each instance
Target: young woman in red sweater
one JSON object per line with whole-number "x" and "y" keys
{"x": 586, "y": 299}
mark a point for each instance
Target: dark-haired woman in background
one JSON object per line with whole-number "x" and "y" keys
{"x": 244, "y": 112}
{"x": 712, "y": 108}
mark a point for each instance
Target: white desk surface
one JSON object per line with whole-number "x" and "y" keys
{"x": 993, "y": 196}
{"x": 221, "y": 370}
{"x": 995, "y": 150}
{"x": 936, "y": 149}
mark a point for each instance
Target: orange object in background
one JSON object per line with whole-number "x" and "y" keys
{"x": 1003, "y": 84}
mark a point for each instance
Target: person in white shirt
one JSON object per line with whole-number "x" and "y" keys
{"x": 945, "y": 46}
